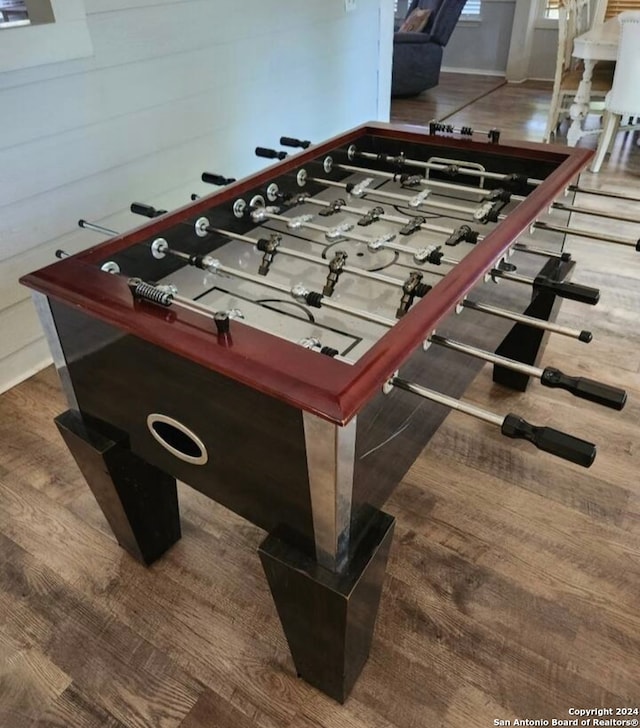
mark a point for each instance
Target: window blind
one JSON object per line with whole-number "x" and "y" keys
{"x": 551, "y": 9}
{"x": 472, "y": 7}
{"x": 617, "y": 6}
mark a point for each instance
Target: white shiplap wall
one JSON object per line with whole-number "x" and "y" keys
{"x": 174, "y": 87}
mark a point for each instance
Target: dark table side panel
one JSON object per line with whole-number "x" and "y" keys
{"x": 257, "y": 461}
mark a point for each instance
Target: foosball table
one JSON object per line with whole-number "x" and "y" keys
{"x": 288, "y": 344}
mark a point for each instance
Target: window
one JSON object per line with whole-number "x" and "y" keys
{"x": 472, "y": 9}
{"x": 55, "y": 31}
{"x": 12, "y": 13}
{"x": 551, "y": 9}
{"x": 25, "y": 12}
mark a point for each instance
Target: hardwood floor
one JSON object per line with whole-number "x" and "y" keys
{"x": 513, "y": 584}
{"x": 454, "y": 92}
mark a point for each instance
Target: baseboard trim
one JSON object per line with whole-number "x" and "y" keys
{"x": 5, "y": 386}
{"x": 473, "y": 71}
{"x": 546, "y": 80}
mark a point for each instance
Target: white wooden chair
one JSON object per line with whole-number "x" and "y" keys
{"x": 574, "y": 19}
{"x": 624, "y": 97}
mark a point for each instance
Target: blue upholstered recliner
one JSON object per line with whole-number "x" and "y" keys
{"x": 417, "y": 57}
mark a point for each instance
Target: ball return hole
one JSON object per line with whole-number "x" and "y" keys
{"x": 178, "y": 439}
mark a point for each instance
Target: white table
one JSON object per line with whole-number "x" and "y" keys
{"x": 598, "y": 44}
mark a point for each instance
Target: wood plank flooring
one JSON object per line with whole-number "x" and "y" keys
{"x": 454, "y": 92}
{"x": 513, "y": 584}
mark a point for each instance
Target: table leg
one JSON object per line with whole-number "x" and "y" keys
{"x": 328, "y": 617}
{"x": 524, "y": 343}
{"x": 139, "y": 500}
{"x": 580, "y": 106}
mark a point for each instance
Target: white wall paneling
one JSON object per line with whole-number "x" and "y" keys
{"x": 34, "y": 45}
{"x": 23, "y": 363}
{"x": 173, "y": 87}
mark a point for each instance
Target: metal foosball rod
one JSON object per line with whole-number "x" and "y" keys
{"x": 271, "y": 246}
{"x": 463, "y": 233}
{"x": 602, "y": 193}
{"x": 581, "y": 387}
{"x": 562, "y": 289}
{"x": 578, "y": 386}
{"x": 421, "y": 199}
{"x": 485, "y": 212}
{"x": 547, "y": 439}
{"x": 299, "y": 293}
{"x": 564, "y": 207}
{"x": 85, "y": 224}
{"x": 455, "y": 235}
{"x": 408, "y": 181}
{"x": 375, "y": 214}
{"x": 399, "y": 161}
{"x": 521, "y": 318}
{"x": 453, "y": 170}
{"x": 552, "y": 227}
{"x": 433, "y": 256}
{"x": 483, "y": 193}
{"x": 362, "y": 188}
{"x": 439, "y": 128}
{"x": 488, "y": 212}
{"x": 412, "y": 288}
{"x": 449, "y": 169}
{"x": 167, "y": 295}
{"x": 581, "y": 335}
{"x": 418, "y": 180}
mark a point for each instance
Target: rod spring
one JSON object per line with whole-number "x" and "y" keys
{"x": 147, "y": 292}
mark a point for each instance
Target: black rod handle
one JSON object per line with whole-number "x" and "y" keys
{"x": 552, "y": 441}
{"x": 270, "y": 153}
{"x": 293, "y": 142}
{"x": 573, "y": 291}
{"x": 585, "y": 388}
{"x": 216, "y": 179}
{"x": 140, "y": 208}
